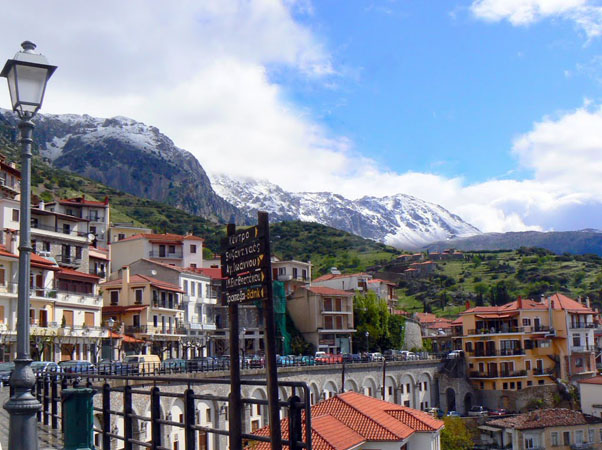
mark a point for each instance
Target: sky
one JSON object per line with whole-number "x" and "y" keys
{"x": 490, "y": 108}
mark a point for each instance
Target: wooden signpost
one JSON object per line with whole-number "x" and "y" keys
{"x": 247, "y": 277}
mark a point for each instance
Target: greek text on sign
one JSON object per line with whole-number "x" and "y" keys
{"x": 237, "y": 267}
{"x": 245, "y": 280}
{"x": 256, "y": 248}
{"x": 255, "y": 293}
{"x": 243, "y": 237}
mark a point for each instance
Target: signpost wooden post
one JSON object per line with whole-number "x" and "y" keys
{"x": 247, "y": 274}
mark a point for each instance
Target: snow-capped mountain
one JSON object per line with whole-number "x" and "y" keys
{"x": 130, "y": 156}
{"x": 399, "y": 220}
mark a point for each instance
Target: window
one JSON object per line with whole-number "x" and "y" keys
{"x": 15, "y": 215}
{"x": 591, "y": 434}
{"x": 155, "y": 321}
{"x": 93, "y": 230}
{"x": 529, "y": 383}
{"x": 114, "y": 297}
{"x": 576, "y": 340}
{"x": 46, "y": 246}
{"x": 138, "y": 296}
{"x": 504, "y": 386}
{"x": 401, "y": 392}
{"x": 192, "y": 248}
{"x": 199, "y": 290}
{"x": 89, "y": 319}
{"x": 519, "y": 385}
{"x": 528, "y": 364}
{"x": 192, "y": 285}
{"x": 408, "y": 388}
{"x": 172, "y": 249}
{"x": 193, "y": 266}
{"x": 529, "y": 442}
{"x": 579, "y": 362}
{"x": 78, "y": 253}
{"x": 555, "y": 439}
{"x": 281, "y": 270}
{"x": 294, "y": 272}
{"x": 120, "y": 236}
{"x": 186, "y": 286}
{"x": 566, "y": 438}
{"x": 512, "y": 386}
{"x": 66, "y": 228}
{"x": 425, "y": 386}
{"x": 68, "y": 318}
{"x": 579, "y": 437}
{"x": 526, "y": 322}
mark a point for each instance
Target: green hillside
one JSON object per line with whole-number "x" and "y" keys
{"x": 497, "y": 277}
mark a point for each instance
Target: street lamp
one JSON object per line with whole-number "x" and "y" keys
{"x": 367, "y": 334}
{"x": 27, "y": 74}
{"x": 111, "y": 324}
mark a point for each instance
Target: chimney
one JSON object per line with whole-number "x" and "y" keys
{"x": 467, "y": 304}
{"x": 519, "y": 302}
{"x": 125, "y": 281}
{"x": 41, "y": 205}
{"x": 579, "y": 300}
{"x": 587, "y": 302}
{"x": 106, "y": 200}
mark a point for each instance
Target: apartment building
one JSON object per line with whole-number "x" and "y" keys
{"x": 292, "y": 273}
{"x": 198, "y": 302}
{"x": 95, "y": 212}
{"x": 174, "y": 249}
{"x": 147, "y": 309}
{"x": 121, "y": 230}
{"x": 324, "y": 316}
{"x": 344, "y": 282}
{"x": 525, "y": 344}
{"x": 384, "y": 290}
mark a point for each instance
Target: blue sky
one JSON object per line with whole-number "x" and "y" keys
{"x": 490, "y": 108}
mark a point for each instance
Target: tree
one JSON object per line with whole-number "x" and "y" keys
{"x": 480, "y": 289}
{"x": 371, "y": 315}
{"x": 455, "y": 435}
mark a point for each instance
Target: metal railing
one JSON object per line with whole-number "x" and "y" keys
{"x": 166, "y": 304}
{"x": 68, "y": 259}
{"x": 153, "y": 254}
{"x": 70, "y": 232}
{"x": 492, "y": 353}
{"x": 500, "y": 374}
{"x": 508, "y": 329}
{"x": 151, "y": 430}
{"x": 150, "y": 329}
{"x": 583, "y": 325}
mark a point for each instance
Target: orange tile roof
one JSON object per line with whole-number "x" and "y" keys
{"x": 543, "y": 418}
{"x": 593, "y": 380}
{"x": 323, "y": 290}
{"x": 341, "y": 421}
{"x": 559, "y": 302}
{"x": 215, "y": 273}
{"x": 70, "y": 273}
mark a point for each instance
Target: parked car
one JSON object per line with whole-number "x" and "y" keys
{"x": 499, "y": 412}
{"x": 328, "y": 358}
{"x": 172, "y": 365}
{"x": 76, "y": 366}
{"x": 257, "y": 362}
{"x": 307, "y": 360}
{"x": 408, "y": 356}
{"x": 453, "y": 414}
{"x": 437, "y": 413}
{"x": 202, "y": 364}
{"x": 108, "y": 367}
{"x": 142, "y": 364}
{"x": 376, "y": 356}
{"x": 5, "y": 371}
{"x": 285, "y": 360}
{"x": 477, "y": 411}
{"x": 392, "y": 355}
{"x": 44, "y": 367}
{"x": 455, "y": 354}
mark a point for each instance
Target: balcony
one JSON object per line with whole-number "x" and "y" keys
{"x": 95, "y": 218}
{"x": 37, "y": 226}
{"x": 167, "y": 305}
{"x": 496, "y": 353}
{"x": 582, "y": 446}
{"x": 150, "y": 329}
{"x": 68, "y": 260}
{"x": 543, "y": 372}
{"x": 167, "y": 255}
{"x": 501, "y": 374}
{"x": 503, "y": 330}
{"x": 582, "y": 348}
{"x": 582, "y": 325}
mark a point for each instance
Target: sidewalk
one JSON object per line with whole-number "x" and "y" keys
{"x": 48, "y": 439}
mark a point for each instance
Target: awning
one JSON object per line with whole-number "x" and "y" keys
{"x": 125, "y": 338}
{"x": 123, "y": 309}
{"x": 496, "y": 315}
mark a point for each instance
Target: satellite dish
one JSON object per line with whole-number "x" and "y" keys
{"x": 91, "y": 236}
{"x": 153, "y": 272}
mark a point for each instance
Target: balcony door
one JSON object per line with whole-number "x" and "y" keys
{"x": 43, "y": 322}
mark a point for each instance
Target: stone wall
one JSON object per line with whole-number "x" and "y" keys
{"x": 412, "y": 336}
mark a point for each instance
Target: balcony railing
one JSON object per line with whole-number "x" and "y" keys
{"x": 157, "y": 254}
{"x": 492, "y": 353}
{"x": 71, "y": 232}
{"x": 582, "y": 348}
{"x": 150, "y": 329}
{"x": 166, "y": 304}
{"x": 502, "y": 330}
{"x": 542, "y": 372}
{"x": 500, "y": 374}
{"x": 68, "y": 260}
{"x": 13, "y": 288}
{"x": 583, "y": 325}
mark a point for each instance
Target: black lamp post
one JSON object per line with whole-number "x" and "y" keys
{"x": 27, "y": 74}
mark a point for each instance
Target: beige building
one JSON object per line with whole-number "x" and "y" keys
{"x": 147, "y": 309}
{"x": 174, "y": 249}
{"x": 558, "y": 429}
{"x": 324, "y": 316}
{"x": 119, "y": 231}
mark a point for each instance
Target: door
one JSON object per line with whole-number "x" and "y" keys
{"x": 43, "y": 322}
{"x": 39, "y": 285}
{"x": 161, "y": 251}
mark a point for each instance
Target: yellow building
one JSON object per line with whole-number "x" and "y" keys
{"x": 525, "y": 344}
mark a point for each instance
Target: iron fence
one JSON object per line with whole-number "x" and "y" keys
{"x": 116, "y": 405}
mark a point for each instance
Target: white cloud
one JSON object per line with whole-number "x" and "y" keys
{"x": 586, "y": 14}
{"x": 198, "y": 71}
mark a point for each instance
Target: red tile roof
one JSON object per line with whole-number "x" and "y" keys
{"x": 164, "y": 238}
{"x": 81, "y": 201}
{"x": 334, "y": 276}
{"x": 559, "y": 302}
{"x": 64, "y": 272}
{"x": 215, "y": 273}
{"x": 323, "y": 290}
{"x": 341, "y": 421}
{"x": 143, "y": 279}
{"x": 125, "y": 338}
{"x": 593, "y": 380}
{"x": 543, "y": 418}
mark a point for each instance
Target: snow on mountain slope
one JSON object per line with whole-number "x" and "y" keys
{"x": 400, "y": 220}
